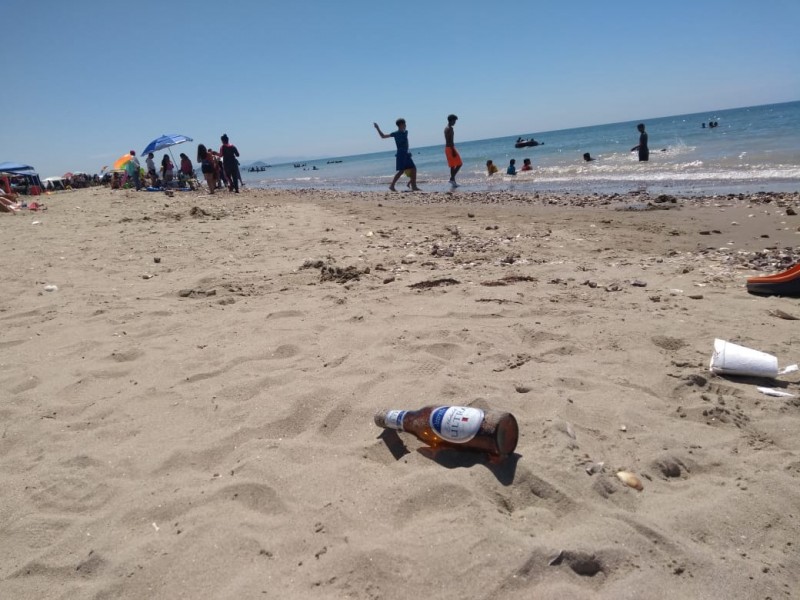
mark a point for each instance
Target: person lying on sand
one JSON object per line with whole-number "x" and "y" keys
{"x": 8, "y": 202}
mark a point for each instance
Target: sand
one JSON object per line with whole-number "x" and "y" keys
{"x": 190, "y": 413}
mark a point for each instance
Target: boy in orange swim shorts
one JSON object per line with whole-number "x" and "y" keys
{"x": 453, "y": 158}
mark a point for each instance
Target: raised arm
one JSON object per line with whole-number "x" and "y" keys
{"x": 380, "y": 133}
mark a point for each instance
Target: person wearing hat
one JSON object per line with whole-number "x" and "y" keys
{"x": 453, "y": 158}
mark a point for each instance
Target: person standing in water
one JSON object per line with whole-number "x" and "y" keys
{"x": 453, "y": 158}
{"x": 403, "y": 161}
{"x": 644, "y": 151}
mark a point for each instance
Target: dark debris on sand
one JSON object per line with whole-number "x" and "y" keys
{"x": 330, "y": 272}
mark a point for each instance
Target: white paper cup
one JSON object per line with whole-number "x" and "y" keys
{"x": 731, "y": 359}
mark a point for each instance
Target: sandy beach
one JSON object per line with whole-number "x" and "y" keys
{"x": 189, "y": 384}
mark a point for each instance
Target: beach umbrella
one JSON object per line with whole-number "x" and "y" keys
{"x": 165, "y": 141}
{"x": 121, "y": 161}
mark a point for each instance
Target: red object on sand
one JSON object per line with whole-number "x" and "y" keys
{"x": 785, "y": 283}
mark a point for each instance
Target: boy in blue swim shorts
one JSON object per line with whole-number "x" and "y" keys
{"x": 403, "y": 162}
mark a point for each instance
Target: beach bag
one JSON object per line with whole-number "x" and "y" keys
{"x": 206, "y": 166}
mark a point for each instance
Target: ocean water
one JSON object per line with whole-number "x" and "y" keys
{"x": 752, "y": 149}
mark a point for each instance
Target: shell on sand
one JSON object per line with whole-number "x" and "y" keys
{"x": 593, "y": 468}
{"x": 630, "y": 480}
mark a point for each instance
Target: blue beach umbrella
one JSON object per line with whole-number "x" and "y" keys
{"x": 165, "y": 141}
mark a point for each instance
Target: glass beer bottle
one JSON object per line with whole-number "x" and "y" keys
{"x": 489, "y": 431}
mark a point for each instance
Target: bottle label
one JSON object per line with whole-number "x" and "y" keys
{"x": 458, "y": 424}
{"x": 394, "y": 419}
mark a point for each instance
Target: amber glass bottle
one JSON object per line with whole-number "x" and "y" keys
{"x": 489, "y": 431}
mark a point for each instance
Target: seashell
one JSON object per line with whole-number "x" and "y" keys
{"x": 630, "y": 480}
{"x": 593, "y": 468}
{"x": 556, "y": 560}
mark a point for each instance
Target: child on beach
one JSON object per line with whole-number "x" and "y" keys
{"x": 167, "y": 170}
{"x": 491, "y": 168}
{"x": 512, "y": 169}
{"x": 526, "y": 165}
{"x": 403, "y": 161}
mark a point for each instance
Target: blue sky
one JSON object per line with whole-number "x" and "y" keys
{"x": 87, "y": 81}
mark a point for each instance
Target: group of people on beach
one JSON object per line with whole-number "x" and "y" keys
{"x": 218, "y": 168}
{"x": 133, "y": 171}
{"x": 404, "y": 164}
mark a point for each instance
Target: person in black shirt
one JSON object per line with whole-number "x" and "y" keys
{"x": 229, "y": 154}
{"x": 644, "y": 151}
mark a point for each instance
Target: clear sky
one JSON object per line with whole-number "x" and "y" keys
{"x": 87, "y": 81}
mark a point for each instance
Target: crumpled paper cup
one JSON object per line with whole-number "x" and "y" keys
{"x": 732, "y": 359}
